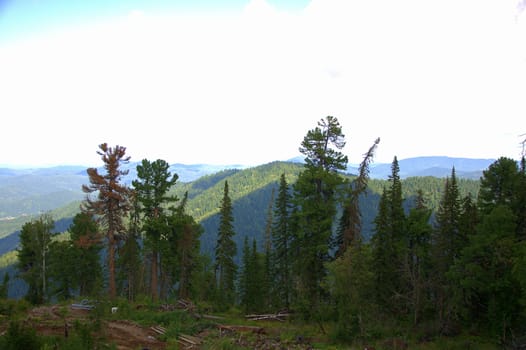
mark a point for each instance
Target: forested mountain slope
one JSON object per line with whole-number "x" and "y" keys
{"x": 251, "y": 191}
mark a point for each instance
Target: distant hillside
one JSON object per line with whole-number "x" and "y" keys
{"x": 434, "y": 166}
{"x": 26, "y": 192}
{"x": 251, "y": 191}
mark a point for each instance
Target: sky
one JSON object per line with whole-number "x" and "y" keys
{"x": 243, "y": 81}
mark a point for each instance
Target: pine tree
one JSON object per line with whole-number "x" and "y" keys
{"x": 154, "y": 180}
{"x": 315, "y": 196}
{"x": 225, "y": 251}
{"x": 112, "y": 203}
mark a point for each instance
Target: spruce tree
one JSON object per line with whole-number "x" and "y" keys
{"x": 417, "y": 257}
{"x": 390, "y": 243}
{"x": 225, "y": 267}
{"x": 282, "y": 240}
{"x": 447, "y": 245}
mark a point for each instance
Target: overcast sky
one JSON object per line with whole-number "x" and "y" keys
{"x": 241, "y": 82}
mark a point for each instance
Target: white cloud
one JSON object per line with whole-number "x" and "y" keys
{"x": 245, "y": 87}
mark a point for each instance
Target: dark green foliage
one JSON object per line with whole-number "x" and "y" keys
{"x": 416, "y": 271}
{"x": 350, "y": 282}
{"x": 350, "y": 226}
{"x": 225, "y": 267}
{"x": 499, "y": 185}
{"x": 86, "y": 248}
{"x": 131, "y": 270}
{"x": 62, "y": 269}
{"x": 448, "y": 242}
{"x": 315, "y": 197}
{"x": 485, "y": 273}
{"x": 251, "y": 280}
{"x": 4, "y": 287}
{"x": 19, "y": 337}
{"x": 183, "y": 250}
{"x": 389, "y": 244}
{"x": 151, "y": 188}
{"x": 282, "y": 243}
{"x": 33, "y": 257}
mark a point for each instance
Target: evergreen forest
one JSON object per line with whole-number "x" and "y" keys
{"x": 351, "y": 261}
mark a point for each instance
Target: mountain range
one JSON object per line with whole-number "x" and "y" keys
{"x": 57, "y": 191}
{"x": 33, "y": 191}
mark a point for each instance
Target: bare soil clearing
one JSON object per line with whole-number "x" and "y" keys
{"x": 59, "y": 321}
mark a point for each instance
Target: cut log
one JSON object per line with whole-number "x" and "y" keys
{"x": 190, "y": 339}
{"x": 277, "y": 317}
{"x": 158, "y": 329}
{"x": 233, "y": 328}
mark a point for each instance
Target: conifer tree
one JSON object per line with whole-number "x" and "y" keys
{"x": 350, "y": 229}
{"x": 112, "y": 202}
{"x": 417, "y": 257}
{"x": 447, "y": 245}
{"x": 315, "y": 196}
{"x": 184, "y": 247}
{"x": 131, "y": 268}
{"x": 154, "y": 180}
{"x": 35, "y": 238}
{"x": 225, "y": 267}
{"x": 485, "y": 270}
{"x": 87, "y": 244}
{"x": 282, "y": 240}
{"x": 389, "y": 244}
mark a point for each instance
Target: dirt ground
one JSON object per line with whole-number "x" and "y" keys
{"x": 52, "y": 320}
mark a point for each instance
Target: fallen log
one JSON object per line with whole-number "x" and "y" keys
{"x": 158, "y": 329}
{"x": 223, "y": 328}
{"x": 190, "y": 339}
{"x": 277, "y": 317}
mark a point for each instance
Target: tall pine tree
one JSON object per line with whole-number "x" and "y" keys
{"x": 225, "y": 267}
{"x": 315, "y": 197}
{"x": 154, "y": 180}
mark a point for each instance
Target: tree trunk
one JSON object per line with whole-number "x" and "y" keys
{"x": 111, "y": 266}
{"x": 153, "y": 277}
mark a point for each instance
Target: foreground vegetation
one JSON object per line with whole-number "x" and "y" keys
{"x": 59, "y": 326}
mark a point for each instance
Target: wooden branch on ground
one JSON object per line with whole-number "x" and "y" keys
{"x": 280, "y": 316}
{"x": 233, "y": 328}
{"x": 158, "y": 329}
{"x": 189, "y": 342}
